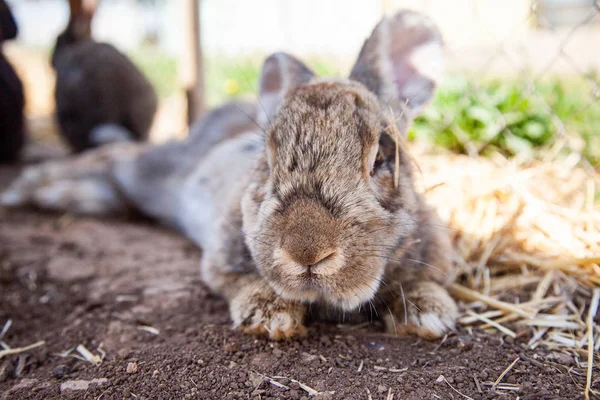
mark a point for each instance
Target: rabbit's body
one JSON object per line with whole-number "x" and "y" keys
{"x": 101, "y": 96}
{"x": 318, "y": 209}
{"x": 12, "y": 104}
{"x": 12, "y": 99}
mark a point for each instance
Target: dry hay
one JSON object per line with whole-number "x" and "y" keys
{"x": 528, "y": 244}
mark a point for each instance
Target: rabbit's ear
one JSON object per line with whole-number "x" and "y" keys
{"x": 280, "y": 73}
{"x": 80, "y": 22}
{"x": 401, "y": 62}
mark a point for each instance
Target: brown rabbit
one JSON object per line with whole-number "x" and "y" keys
{"x": 101, "y": 96}
{"x": 318, "y": 210}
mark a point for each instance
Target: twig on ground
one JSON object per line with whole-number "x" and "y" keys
{"x": 590, "y": 335}
{"x": 442, "y": 378}
{"x": 17, "y": 350}
{"x": 503, "y": 374}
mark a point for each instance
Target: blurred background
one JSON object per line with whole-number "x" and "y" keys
{"x": 523, "y": 75}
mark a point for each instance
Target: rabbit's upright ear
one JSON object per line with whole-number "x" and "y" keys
{"x": 401, "y": 62}
{"x": 80, "y": 21}
{"x": 280, "y": 73}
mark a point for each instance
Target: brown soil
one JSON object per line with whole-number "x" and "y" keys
{"x": 71, "y": 281}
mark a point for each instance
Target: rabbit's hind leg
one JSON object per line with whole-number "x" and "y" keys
{"x": 81, "y": 184}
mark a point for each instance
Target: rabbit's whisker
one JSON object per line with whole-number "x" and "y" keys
{"x": 367, "y": 254}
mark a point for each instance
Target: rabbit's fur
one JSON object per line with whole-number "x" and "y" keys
{"x": 12, "y": 98}
{"x": 101, "y": 96}
{"x": 307, "y": 212}
{"x": 12, "y": 104}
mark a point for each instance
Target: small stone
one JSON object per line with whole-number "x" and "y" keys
{"x": 60, "y": 371}
{"x": 284, "y": 381}
{"x": 231, "y": 347}
{"x": 320, "y": 386}
{"x": 81, "y": 384}
{"x": 381, "y": 389}
{"x": 325, "y": 340}
{"x": 124, "y": 353}
{"x": 278, "y": 353}
{"x": 132, "y": 368}
{"x": 562, "y": 358}
{"x": 255, "y": 380}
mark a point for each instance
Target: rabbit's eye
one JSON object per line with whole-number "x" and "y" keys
{"x": 378, "y": 162}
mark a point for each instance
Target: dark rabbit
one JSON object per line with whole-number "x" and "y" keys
{"x": 12, "y": 99}
{"x": 101, "y": 96}
{"x": 318, "y": 209}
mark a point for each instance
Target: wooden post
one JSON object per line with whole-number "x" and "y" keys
{"x": 191, "y": 67}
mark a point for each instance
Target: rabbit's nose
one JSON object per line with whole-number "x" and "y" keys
{"x": 323, "y": 261}
{"x": 307, "y": 252}
{"x": 320, "y": 259}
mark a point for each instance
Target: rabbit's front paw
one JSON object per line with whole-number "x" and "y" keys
{"x": 430, "y": 314}
{"x": 259, "y": 311}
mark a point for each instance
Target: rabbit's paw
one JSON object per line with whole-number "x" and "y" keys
{"x": 259, "y": 311}
{"x": 430, "y": 312}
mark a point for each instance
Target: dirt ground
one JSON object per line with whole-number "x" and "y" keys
{"x": 131, "y": 290}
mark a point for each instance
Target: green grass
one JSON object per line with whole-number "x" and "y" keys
{"x": 160, "y": 69}
{"x": 509, "y": 116}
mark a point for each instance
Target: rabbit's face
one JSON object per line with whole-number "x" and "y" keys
{"x": 336, "y": 194}
{"x": 331, "y": 213}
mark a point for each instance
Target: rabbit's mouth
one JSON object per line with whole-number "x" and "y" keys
{"x": 330, "y": 277}
{"x": 313, "y": 287}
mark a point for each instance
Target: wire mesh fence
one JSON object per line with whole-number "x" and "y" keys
{"x": 528, "y": 88}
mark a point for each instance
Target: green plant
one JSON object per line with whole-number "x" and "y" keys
{"x": 159, "y": 67}
{"x": 510, "y": 116}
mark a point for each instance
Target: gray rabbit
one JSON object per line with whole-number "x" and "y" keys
{"x": 304, "y": 200}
